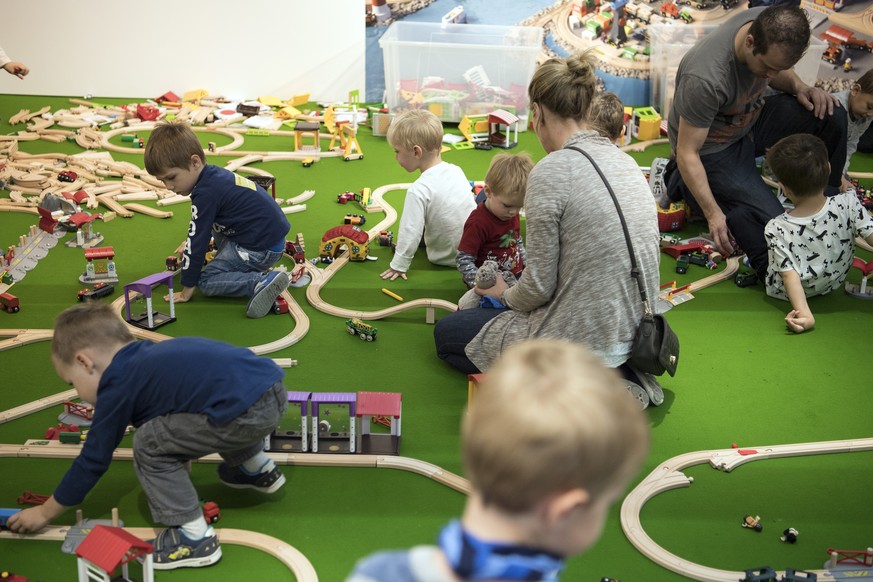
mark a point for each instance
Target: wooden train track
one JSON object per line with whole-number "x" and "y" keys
{"x": 322, "y": 276}
{"x": 287, "y": 554}
{"x": 668, "y": 475}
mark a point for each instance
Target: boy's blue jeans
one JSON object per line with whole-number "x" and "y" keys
{"x": 235, "y": 271}
{"x": 163, "y": 445}
{"x": 453, "y": 332}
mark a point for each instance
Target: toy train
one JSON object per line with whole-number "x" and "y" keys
{"x": 5, "y": 514}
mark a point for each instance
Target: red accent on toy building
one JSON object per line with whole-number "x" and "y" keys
{"x": 859, "y": 557}
{"x": 77, "y": 197}
{"x": 99, "y": 253}
{"x": 147, "y": 112}
{"x": 80, "y": 218}
{"x": 111, "y": 547}
{"x": 47, "y": 222}
{"x": 79, "y": 409}
{"x": 168, "y": 96}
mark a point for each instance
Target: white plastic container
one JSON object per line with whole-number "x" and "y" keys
{"x": 459, "y": 69}
{"x": 670, "y": 42}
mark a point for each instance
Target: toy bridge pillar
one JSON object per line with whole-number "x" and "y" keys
{"x": 319, "y": 398}
{"x": 302, "y": 399}
{"x": 150, "y": 319}
{"x": 376, "y": 404}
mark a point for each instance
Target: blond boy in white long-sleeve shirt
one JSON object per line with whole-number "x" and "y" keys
{"x": 438, "y": 202}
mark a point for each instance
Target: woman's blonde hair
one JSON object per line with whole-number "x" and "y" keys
{"x": 565, "y": 86}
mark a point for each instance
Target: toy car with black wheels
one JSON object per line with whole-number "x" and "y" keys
{"x": 280, "y": 305}
{"x": 365, "y": 331}
{"x": 682, "y": 264}
{"x": 746, "y": 279}
{"x": 99, "y": 290}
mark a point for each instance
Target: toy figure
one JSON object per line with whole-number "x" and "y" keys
{"x": 752, "y": 522}
{"x": 789, "y": 535}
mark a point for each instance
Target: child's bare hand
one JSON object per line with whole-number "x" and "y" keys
{"x": 392, "y": 274}
{"x": 20, "y": 70}
{"x": 799, "y": 322}
{"x": 496, "y": 291}
{"x": 29, "y": 520}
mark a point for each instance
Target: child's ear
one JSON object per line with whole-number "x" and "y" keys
{"x": 563, "y": 503}
{"x": 196, "y": 162}
{"x": 856, "y": 88}
{"x": 83, "y": 358}
{"x": 417, "y": 151}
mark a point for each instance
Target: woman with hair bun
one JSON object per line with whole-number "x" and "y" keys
{"x": 577, "y": 284}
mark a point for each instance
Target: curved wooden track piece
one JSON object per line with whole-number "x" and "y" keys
{"x": 290, "y": 556}
{"x": 668, "y": 475}
{"x": 732, "y": 265}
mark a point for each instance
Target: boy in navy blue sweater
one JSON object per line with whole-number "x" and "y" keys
{"x": 187, "y": 397}
{"x": 247, "y": 225}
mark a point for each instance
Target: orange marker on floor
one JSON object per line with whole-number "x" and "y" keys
{"x": 392, "y": 294}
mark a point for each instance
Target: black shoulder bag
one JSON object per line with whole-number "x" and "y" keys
{"x": 656, "y": 347}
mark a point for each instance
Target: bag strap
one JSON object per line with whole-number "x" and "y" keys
{"x": 635, "y": 271}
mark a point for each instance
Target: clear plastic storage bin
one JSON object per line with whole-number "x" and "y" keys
{"x": 459, "y": 69}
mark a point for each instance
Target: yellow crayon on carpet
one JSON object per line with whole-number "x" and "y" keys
{"x": 392, "y": 294}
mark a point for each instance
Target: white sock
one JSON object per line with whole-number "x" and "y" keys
{"x": 197, "y": 529}
{"x": 258, "y": 464}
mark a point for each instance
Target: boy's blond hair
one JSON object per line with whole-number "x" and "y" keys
{"x": 550, "y": 417}
{"x": 87, "y": 325}
{"x": 507, "y": 177}
{"x": 416, "y": 127}
{"x": 606, "y": 115}
{"x": 171, "y": 145}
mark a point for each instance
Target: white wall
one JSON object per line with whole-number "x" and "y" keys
{"x": 235, "y": 48}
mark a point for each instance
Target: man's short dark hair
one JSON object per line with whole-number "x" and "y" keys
{"x": 786, "y": 26}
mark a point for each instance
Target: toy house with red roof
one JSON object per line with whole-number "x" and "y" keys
{"x": 106, "y": 549}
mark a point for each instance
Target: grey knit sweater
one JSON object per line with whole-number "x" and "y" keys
{"x": 577, "y": 285}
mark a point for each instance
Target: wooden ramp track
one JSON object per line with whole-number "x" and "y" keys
{"x": 668, "y": 475}
{"x": 290, "y": 556}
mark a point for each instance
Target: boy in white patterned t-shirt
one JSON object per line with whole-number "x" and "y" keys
{"x": 810, "y": 247}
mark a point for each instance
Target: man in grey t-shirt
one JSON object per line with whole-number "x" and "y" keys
{"x": 721, "y": 119}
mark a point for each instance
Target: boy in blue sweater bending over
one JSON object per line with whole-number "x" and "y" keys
{"x": 187, "y": 397}
{"x": 247, "y": 225}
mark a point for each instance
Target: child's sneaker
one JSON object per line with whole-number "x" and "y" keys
{"x": 173, "y": 550}
{"x": 657, "y": 180}
{"x": 266, "y": 482}
{"x": 637, "y": 393}
{"x": 265, "y": 294}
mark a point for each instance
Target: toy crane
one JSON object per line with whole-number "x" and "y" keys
{"x": 345, "y": 132}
